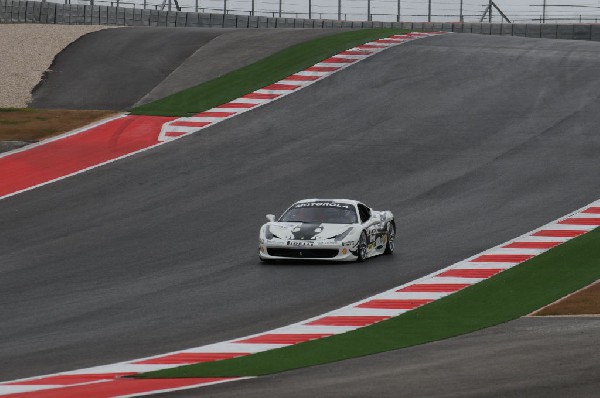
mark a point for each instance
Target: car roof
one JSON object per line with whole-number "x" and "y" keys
{"x": 347, "y": 201}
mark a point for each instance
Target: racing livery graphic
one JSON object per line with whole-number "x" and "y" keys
{"x": 327, "y": 229}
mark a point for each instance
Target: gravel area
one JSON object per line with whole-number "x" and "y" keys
{"x": 27, "y": 51}
{"x": 6, "y": 146}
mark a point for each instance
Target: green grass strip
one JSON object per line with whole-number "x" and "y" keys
{"x": 259, "y": 74}
{"x": 504, "y": 297}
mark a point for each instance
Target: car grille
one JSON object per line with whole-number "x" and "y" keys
{"x": 303, "y": 253}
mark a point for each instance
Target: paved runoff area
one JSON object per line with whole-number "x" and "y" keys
{"x": 28, "y": 50}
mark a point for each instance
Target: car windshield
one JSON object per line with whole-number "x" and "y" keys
{"x": 321, "y": 212}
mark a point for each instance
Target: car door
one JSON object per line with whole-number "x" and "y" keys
{"x": 370, "y": 224}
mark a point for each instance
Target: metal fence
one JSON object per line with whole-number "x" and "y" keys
{"x": 539, "y": 11}
{"x": 13, "y": 11}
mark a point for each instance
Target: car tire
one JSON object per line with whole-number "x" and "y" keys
{"x": 391, "y": 238}
{"x": 361, "y": 252}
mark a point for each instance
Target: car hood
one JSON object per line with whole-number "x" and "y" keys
{"x": 306, "y": 231}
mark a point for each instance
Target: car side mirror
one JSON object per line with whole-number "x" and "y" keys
{"x": 271, "y": 217}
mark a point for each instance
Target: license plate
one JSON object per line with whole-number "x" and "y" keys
{"x": 301, "y": 244}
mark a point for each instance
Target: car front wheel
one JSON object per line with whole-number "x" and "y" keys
{"x": 362, "y": 248}
{"x": 391, "y": 238}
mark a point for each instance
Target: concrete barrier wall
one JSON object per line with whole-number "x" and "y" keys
{"x": 20, "y": 11}
{"x": 547, "y": 31}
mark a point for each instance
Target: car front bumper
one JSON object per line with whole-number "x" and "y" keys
{"x": 321, "y": 252}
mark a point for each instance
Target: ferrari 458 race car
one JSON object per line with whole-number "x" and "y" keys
{"x": 327, "y": 229}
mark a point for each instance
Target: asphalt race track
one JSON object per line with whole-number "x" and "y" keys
{"x": 529, "y": 357}
{"x": 118, "y": 68}
{"x": 471, "y": 140}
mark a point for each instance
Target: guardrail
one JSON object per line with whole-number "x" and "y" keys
{"x": 13, "y": 11}
{"x": 544, "y": 31}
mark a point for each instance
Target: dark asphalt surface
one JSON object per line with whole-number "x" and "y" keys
{"x": 470, "y": 140}
{"x": 529, "y": 357}
{"x": 231, "y": 50}
{"x": 117, "y": 68}
{"x": 114, "y": 68}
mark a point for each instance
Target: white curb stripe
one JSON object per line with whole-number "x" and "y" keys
{"x": 310, "y": 329}
{"x": 471, "y": 265}
{"x": 353, "y": 311}
{"x": 233, "y": 347}
{"x": 5, "y": 390}
{"x": 413, "y": 295}
{"x": 310, "y": 73}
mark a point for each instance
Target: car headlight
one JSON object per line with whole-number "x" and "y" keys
{"x": 343, "y": 235}
{"x": 270, "y": 235}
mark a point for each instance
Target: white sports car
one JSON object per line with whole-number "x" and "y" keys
{"x": 327, "y": 229}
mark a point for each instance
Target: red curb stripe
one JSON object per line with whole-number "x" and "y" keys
{"x": 215, "y": 114}
{"x": 502, "y": 258}
{"x": 115, "y": 388}
{"x": 190, "y": 124}
{"x": 283, "y": 338}
{"x": 434, "y": 287}
{"x": 386, "y": 41}
{"x": 394, "y": 304}
{"x": 471, "y": 273}
{"x": 559, "y": 233}
{"x": 236, "y": 105}
{"x": 369, "y": 46}
{"x": 261, "y": 96}
{"x": 531, "y": 245}
{"x": 336, "y": 60}
{"x": 581, "y": 221}
{"x": 592, "y": 210}
{"x": 322, "y": 69}
{"x": 280, "y": 87}
{"x": 64, "y": 156}
{"x": 302, "y": 78}
{"x": 191, "y": 357}
{"x": 348, "y": 320}
{"x": 355, "y": 53}
{"x": 65, "y": 380}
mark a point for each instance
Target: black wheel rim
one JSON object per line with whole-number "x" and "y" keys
{"x": 391, "y": 237}
{"x": 362, "y": 247}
